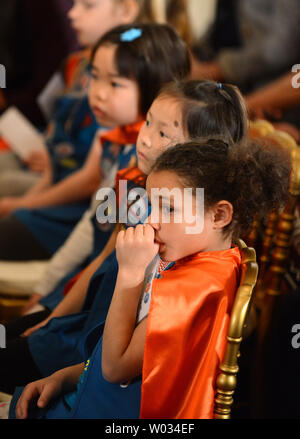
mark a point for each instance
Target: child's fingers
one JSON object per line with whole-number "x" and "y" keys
{"x": 129, "y": 234}
{"x": 49, "y": 390}
{"x": 148, "y": 231}
{"x": 29, "y": 393}
{"x": 139, "y": 231}
{"x": 120, "y": 238}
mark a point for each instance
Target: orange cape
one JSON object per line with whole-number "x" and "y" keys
{"x": 123, "y": 135}
{"x": 186, "y": 335}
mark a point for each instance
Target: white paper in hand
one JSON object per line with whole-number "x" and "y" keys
{"x": 19, "y": 132}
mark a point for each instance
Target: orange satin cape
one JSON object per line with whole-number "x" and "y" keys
{"x": 186, "y": 335}
{"x": 123, "y": 135}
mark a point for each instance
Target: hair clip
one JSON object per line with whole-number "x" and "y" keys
{"x": 131, "y": 35}
{"x": 220, "y": 85}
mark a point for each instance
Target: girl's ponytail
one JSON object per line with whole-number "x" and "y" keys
{"x": 237, "y": 107}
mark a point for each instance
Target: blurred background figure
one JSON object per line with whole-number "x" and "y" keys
{"x": 251, "y": 43}
{"x": 35, "y": 37}
{"x": 278, "y": 100}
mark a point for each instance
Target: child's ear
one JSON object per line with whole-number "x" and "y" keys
{"x": 223, "y": 212}
{"x": 130, "y": 10}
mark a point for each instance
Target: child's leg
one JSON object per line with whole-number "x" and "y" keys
{"x": 18, "y": 244}
{"x": 16, "y": 182}
{"x": 14, "y": 179}
{"x": 17, "y": 326}
{"x": 9, "y": 161}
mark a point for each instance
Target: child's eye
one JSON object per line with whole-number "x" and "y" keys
{"x": 89, "y": 5}
{"x": 115, "y": 84}
{"x": 93, "y": 75}
{"x": 92, "y": 72}
{"x": 167, "y": 209}
{"x": 147, "y": 123}
{"x": 162, "y": 134}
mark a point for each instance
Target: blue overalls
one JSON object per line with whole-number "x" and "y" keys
{"x": 69, "y": 340}
{"x": 55, "y": 345}
{"x": 112, "y": 160}
{"x": 96, "y": 398}
{"x": 69, "y": 137}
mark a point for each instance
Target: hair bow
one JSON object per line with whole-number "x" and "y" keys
{"x": 131, "y": 34}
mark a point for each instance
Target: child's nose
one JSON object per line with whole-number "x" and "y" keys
{"x": 146, "y": 140}
{"x": 73, "y": 12}
{"x": 152, "y": 221}
{"x": 101, "y": 91}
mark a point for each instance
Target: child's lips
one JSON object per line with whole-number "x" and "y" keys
{"x": 76, "y": 29}
{"x": 142, "y": 156}
{"x": 98, "y": 112}
{"x": 160, "y": 243}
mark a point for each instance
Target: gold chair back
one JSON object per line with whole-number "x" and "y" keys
{"x": 279, "y": 227}
{"x": 226, "y": 380}
{"x": 273, "y": 258}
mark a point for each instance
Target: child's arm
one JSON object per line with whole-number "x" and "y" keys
{"x": 46, "y": 389}
{"x": 37, "y": 161}
{"x": 77, "y": 248}
{"x": 73, "y": 301}
{"x": 78, "y": 186}
{"x": 42, "y": 184}
{"x": 274, "y": 97}
{"x": 10, "y": 204}
{"x": 123, "y": 341}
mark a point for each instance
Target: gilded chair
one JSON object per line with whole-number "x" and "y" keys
{"x": 11, "y": 307}
{"x": 264, "y": 237}
{"x": 227, "y": 378}
{"x": 274, "y": 242}
{"x": 271, "y": 287}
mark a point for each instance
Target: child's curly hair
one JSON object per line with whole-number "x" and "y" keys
{"x": 253, "y": 177}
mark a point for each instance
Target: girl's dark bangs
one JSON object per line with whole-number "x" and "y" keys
{"x": 125, "y": 62}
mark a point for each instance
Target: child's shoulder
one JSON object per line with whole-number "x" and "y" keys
{"x": 132, "y": 173}
{"x": 215, "y": 270}
{"x": 74, "y": 61}
{"x": 213, "y": 259}
{"x": 78, "y": 55}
